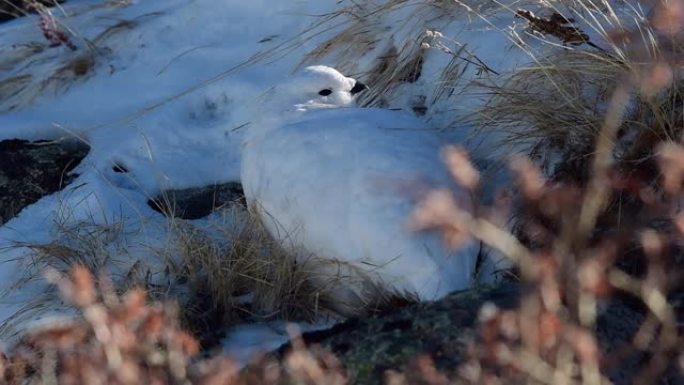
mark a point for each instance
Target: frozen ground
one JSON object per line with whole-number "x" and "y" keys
{"x": 175, "y": 83}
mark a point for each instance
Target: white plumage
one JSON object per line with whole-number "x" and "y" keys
{"x": 340, "y": 183}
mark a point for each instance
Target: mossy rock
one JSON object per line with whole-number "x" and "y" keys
{"x": 32, "y": 170}
{"x": 368, "y": 347}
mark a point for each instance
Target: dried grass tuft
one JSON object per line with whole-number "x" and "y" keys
{"x": 398, "y": 57}
{"x": 241, "y": 272}
{"x": 555, "y": 107}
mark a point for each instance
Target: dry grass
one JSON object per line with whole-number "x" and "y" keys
{"x": 101, "y": 248}
{"x": 391, "y": 57}
{"x": 38, "y": 68}
{"x": 608, "y": 226}
{"x": 116, "y": 340}
{"x": 555, "y": 107}
{"x": 126, "y": 340}
{"x": 237, "y": 271}
{"x": 226, "y": 271}
{"x": 398, "y": 56}
{"x": 241, "y": 272}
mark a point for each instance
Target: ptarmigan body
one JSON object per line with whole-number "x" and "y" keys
{"x": 339, "y": 184}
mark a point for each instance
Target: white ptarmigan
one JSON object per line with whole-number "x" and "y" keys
{"x": 339, "y": 183}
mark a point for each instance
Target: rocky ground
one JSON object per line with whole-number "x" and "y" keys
{"x": 371, "y": 347}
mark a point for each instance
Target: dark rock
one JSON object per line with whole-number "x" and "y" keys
{"x": 119, "y": 168}
{"x": 368, "y": 347}
{"x": 32, "y": 170}
{"x": 372, "y": 345}
{"x": 12, "y": 9}
{"x": 194, "y": 203}
{"x": 615, "y": 328}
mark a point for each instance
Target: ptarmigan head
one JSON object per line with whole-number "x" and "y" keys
{"x": 316, "y": 87}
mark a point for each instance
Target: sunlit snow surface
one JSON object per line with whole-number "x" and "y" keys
{"x": 174, "y": 86}
{"x": 121, "y": 109}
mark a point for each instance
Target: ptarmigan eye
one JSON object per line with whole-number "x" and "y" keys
{"x": 325, "y": 92}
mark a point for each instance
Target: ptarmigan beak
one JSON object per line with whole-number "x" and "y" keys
{"x": 358, "y": 87}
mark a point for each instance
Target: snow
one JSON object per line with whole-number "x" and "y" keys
{"x": 478, "y": 45}
{"x": 122, "y": 110}
{"x": 174, "y": 86}
{"x": 246, "y": 341}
